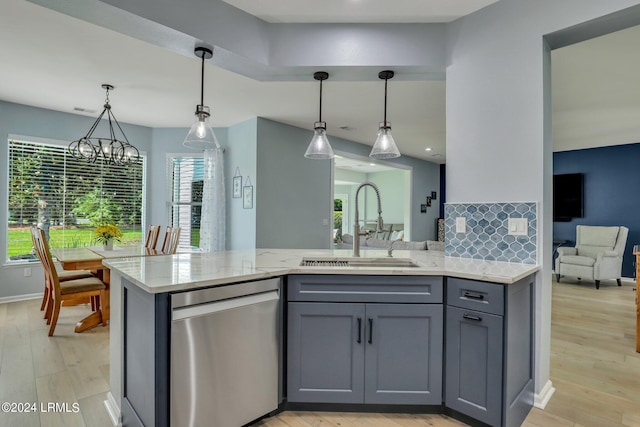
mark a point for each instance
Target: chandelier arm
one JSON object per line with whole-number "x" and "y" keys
{"x": 95, "y": 125}
{"x": 118, "y": 124}
{"x": 112, "y": 134}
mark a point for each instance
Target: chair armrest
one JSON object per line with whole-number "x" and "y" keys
{"x": 607, "y": 254}
{"x": 562, "y": 250}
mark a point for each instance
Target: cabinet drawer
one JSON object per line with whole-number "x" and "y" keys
{"x": 361, "y": 288}
{"x": 473, "y": 295}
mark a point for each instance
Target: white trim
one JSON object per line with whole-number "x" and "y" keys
{"x": 113, "y": 410}
{"x": 23, "y": 297}
{"x": 541, "y": 399}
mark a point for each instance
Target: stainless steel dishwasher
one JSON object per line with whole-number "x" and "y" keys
{"x": 224, "y": 354}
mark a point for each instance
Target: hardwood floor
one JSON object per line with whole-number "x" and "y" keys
{"x": 594, "y": 368}
{"x": 68, "y": 368}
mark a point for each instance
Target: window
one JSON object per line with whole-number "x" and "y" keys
{"x": 68, "y": 198}
{"x": 186, "y": 176}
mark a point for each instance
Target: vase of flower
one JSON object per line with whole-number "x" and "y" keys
{"x": 106, "y": 234}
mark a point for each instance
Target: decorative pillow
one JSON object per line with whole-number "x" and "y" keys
{"x": 433, "y": 245}
{"x": 378, "y": 243}
{"x": 397, "y": 235}
{"x": 412, "y": 246}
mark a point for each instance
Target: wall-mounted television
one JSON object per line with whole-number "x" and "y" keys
{"x": 568, "y": 196}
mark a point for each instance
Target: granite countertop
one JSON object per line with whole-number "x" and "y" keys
{"x": 168, "y": 273}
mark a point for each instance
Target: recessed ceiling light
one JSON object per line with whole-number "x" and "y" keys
{"x": 427, "y": 149}
{"x": 436, "y": 155}
{"x": 372, "y": 164}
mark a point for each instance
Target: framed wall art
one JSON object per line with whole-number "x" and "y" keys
{"x": 247, "y": 195}
{"x": 237, "y": 184}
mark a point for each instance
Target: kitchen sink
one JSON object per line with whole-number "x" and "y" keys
{"x": 358, "y": 262}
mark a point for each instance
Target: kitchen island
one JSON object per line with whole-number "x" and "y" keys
{"x": 484, "y": 303}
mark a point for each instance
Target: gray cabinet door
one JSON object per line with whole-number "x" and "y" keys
{"x": 403, "y": 357}
{"x": 474, "y": 364}
{"x": 325, "y": 359}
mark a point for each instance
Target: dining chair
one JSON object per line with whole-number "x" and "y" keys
{"x": 152, "y": 236}
{"x": 63, "y": 275}
{"x": 87, "y": 287}
{"x": 171, "y": 240}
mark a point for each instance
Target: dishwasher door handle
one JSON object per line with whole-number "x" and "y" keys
{"x": 218, "y": 306}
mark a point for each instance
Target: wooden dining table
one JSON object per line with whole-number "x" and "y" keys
{"x": 90, "y": 258}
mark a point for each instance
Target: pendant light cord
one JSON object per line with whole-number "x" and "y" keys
{"x": 385, "y": 101}
{"x": 202, "y": 81}
{"x": 320, "y": 115}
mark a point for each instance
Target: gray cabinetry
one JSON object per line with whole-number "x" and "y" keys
{"x": 403, "y": 356}
{"x": 326, "y": 354}
{"x": 489, "y": 350}
{"x": 364, "y": 352}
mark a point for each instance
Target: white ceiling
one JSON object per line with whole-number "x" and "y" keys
{"x": 359, "y": 11}
{"x": 361, "y": 165}
{"x": 54, "y": 61}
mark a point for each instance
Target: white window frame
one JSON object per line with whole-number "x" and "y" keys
{"x": 57, "y": 143}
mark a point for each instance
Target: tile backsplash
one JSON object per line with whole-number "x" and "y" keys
{"x": 487, "y": 234}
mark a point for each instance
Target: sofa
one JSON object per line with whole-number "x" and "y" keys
{"x": 373, "y": 243}
{"x": 389, "y": 231}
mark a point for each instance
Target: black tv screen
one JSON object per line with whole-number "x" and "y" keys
{"x": 567, "y": 196}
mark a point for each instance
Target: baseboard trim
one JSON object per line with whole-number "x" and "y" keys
{"x": 541, "y": 399}
{"x": 113, "y": 409}
{"x": 24, "y": 297}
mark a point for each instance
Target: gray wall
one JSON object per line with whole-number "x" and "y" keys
{"x": 292, "y": 192}
{"x": 17, "y": 119}
{"x": 241, "y": 153}
{"x": 498, "y": 102}
{"x": 392, "y": 195}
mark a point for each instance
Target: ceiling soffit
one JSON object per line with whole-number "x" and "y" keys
{"x": 263, "y": 51}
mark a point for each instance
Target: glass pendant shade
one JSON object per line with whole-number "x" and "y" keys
{"x": 319, "y": 147}
{"x": 385, "y": 147}
{"x": 201, "y": 136}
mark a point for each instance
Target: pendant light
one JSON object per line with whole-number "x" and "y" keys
{"x": 201, "y": 135}
{"x": 319, "y": 147}
{"x": 112, "y": 150}
{"x": 385, "y": 147}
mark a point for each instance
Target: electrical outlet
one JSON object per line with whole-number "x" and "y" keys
{"x": 461, "y": 224}
{"x": 518, "y": 226}
{"x": 27, "y": 272}
{"x": 325, "y": 222}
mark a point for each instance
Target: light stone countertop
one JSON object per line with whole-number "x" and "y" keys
{"x": 169, "y": 273}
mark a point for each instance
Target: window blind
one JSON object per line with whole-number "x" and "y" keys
{"x": 187, "y": 177}
{"x": 68, "y": 197}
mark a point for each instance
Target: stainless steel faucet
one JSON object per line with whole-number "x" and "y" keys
{"x": 356, "y": 228}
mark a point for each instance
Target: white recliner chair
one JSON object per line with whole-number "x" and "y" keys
{"x": 597, "y": 255}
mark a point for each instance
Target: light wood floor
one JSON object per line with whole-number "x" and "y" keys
{"x": 67, "y": 368}
{"x": 594, "y": 368}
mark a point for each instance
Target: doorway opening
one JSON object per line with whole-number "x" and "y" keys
{"x": 394, "y": 182}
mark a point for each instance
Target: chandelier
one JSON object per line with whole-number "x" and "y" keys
{"x": 111, "y": 149}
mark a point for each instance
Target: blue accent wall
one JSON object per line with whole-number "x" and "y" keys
{"x": 611, "y": 192}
